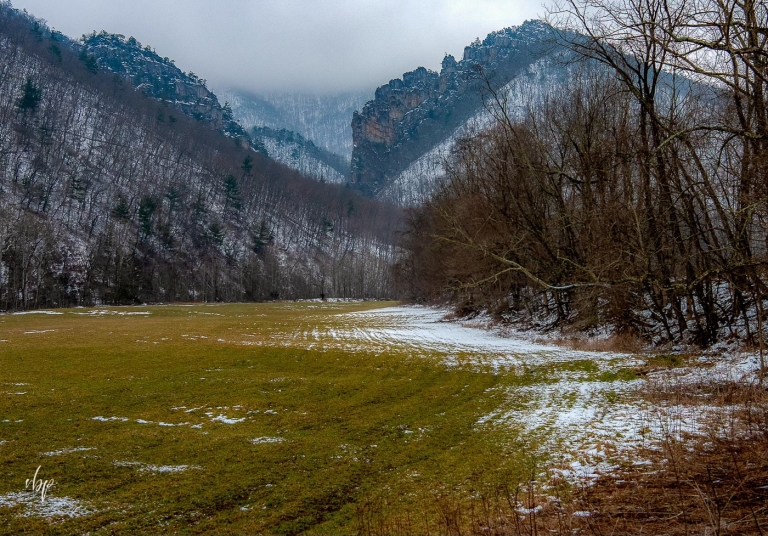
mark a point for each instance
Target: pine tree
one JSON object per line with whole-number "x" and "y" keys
{"x": 261, "y": 237}
{"x": 30, "y": 99}
{"x": 89, "y": 61}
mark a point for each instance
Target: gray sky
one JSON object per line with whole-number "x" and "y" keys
{"x": 292, "y": 45}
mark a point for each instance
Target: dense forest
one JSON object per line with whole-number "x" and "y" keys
{"x": 632, "y": 194}
{"x": 110, "y": 196}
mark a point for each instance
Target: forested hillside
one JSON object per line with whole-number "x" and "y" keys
{"x": 631, "y": 194}
{"x": 108, "y": 196}
{"x": 301, "y": 154}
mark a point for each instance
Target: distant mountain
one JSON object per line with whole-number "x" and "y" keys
{"x": 323, "y": 119}
{"x": 301, "y": 154}
{"x": 159, "y": 78}
{"x": 400, "y": 136}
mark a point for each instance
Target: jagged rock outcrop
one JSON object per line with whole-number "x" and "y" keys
{"x": 410, "y": 116}
{"x": 158, "y": 78}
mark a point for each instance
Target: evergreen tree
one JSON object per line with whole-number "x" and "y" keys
{"x": 89, "y": 61}
{"x": 147, "y": 209}
{"x": 226, "y": 110}
{"x": 247, "y": 166}
{"x": 232, "y": 192}
{"x": 121, "y": 210}
{"x": 31, "y": 97}
{"x": 261, "y": 237}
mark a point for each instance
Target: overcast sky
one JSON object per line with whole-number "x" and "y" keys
{"x": 292, "y": 45}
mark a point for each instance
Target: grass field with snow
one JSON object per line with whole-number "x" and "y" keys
{"x": 293, "y": 417}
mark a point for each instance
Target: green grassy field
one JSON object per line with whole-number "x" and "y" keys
{"x": 220, "y": 419}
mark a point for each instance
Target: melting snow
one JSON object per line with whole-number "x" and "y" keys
{"x": 38, "y": 313}
{"x": 103, "y": 312}
{"x": 107, "y": 419}
{"x": 151, "y": 468}
{"x": 262, "y": 440}
{"x": 51, "y": 507}
{"x": 143, "y": 421}
{"x": 585, "y": 425}
{"x": 424, "y": 331}
{"x": 227, "y": 420}
{"x": 68, "y": 451}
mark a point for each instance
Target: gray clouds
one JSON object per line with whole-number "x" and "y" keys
{"x": 292, "y": 45}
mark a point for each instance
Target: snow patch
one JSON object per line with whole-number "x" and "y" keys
{"x": 38, "y": 313}
{"x": 107, "y": 419}
{"x": 262, "y": 440}
{"x": 226, "y": 420}
{"x": 152, "y": 468}
{"x": 68, "y": 451}
{"x": 51, "y": 507}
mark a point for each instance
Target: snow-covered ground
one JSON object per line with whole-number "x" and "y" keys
{"x": 425, "y": 331}
{"x": 586, "y": 419}
{"x": 51, "y": 507}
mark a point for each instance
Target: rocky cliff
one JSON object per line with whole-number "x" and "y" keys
{"x": 159, "y": 78}
{"x": 410, "y": 116}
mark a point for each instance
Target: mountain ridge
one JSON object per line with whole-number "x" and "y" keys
{"x": 411, "y": 115}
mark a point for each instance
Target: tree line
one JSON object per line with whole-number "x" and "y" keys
{"x": 631, "y": 194}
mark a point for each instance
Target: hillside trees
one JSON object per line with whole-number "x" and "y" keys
{"x": 634, "y": 194}
{"x": 102, "y": 200}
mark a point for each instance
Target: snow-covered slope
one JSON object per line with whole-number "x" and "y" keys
{"x": 411, "y": 115}
{"x": 323, "y": 119}
{"x": 296, "y": 152}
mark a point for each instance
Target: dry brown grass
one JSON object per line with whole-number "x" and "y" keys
{"x": 625, "y": 343}
{"x": 712, "y": 483}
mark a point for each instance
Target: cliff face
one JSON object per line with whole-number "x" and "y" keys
{"x": 410, "y": 116}
{"x": 158, "y": 78}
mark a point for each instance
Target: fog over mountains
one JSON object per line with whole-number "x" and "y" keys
{"x": 324, "y": 119}
{"x": 395, "y": 138}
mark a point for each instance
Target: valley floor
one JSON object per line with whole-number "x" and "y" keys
{"x": 325, "y": 418}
